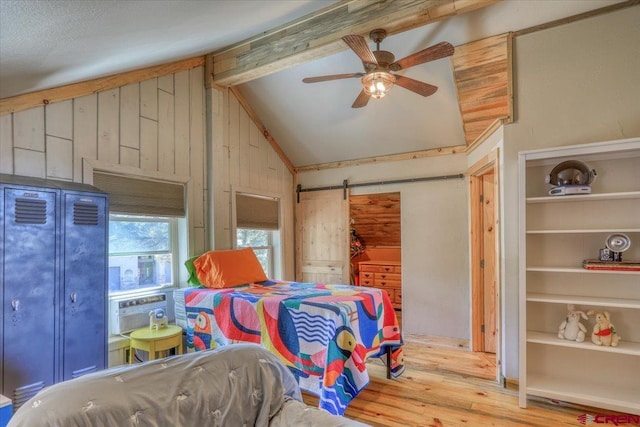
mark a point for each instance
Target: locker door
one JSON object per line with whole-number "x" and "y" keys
{"x": 84, "y": 289}
{"x": 29, "y": 351}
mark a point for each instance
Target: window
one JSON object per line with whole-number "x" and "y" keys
{"x": 146, "y": 222}
{"x": 257, "y": 225}
{"x": 142, "y": 252}
{"x": 261, "y": 241}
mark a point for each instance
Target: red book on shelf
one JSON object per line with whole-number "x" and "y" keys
{"x": 594, "y": 264}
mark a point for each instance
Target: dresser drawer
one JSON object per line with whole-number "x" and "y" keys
{"x": 392, "y": 294}
{"x": 386, "y": 283}
{"x": 388, "y": 276}
{"x": 397, "y": 296}
{"x": 380, "y": 268}
{"x": 366, "y": 281}
{"x": 366, "y": 275}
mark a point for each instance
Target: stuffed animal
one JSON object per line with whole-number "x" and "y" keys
{"x": 571, "y": 328}
{"x": 604, "y": 333}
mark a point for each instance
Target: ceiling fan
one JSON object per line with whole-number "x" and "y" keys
{"x": 378, "y": 78}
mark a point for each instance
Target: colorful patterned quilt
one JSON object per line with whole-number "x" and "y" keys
{"x": 322, "y": 333}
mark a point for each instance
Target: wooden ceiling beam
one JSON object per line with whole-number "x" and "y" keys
{"x": 320, "y": 34}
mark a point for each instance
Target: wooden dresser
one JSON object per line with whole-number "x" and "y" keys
{"x": 385, "y": 275}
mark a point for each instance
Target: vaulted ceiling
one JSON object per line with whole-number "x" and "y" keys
{"x": 266, "y": 48}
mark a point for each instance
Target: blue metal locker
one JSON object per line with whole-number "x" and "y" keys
{"x": 84, "y": 293}
{"x": 53, "y": 242}
{"x": 29, "y": 299}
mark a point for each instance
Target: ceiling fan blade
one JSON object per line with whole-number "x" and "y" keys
{"x": 440, "y": 50}
{"x": 359, "y": 45}
{"x": 361, "y": 100}
{"x": 421, "y": 88}
{"x": 331, "y": 77}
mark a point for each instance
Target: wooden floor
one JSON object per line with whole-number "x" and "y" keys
{"x": 444, "y": 386}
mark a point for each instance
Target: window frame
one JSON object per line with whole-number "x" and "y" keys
{"x": 174, "y": 250}
{"x": 269, "y": 248}
{"x": 276, "y": 238}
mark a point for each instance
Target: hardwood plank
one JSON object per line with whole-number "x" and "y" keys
{"x": 28, "y": 129}
{"x": 6, "y": 144}
{"x": 149, "y": 99}
{"x": 234, "y": 140}
{"x": 319, "y": 34}
{"x": 109, "y": 126}
{"x": 130, "y": 116}
{"x": 244, "y": 149}
{"x": 59, "y": 155}
{"x": 263, "y": 129}
{"x": 483, "y": 79}
{"x": 389, "y": 158}
{"x": 129, "y": 156}
{"x": 181, "y": 124}
{"x": 76, "y": 90}
{"x": 198, "y": 184}
{"x": 85, "y": 135}
{"x": 148, "y": 144}
{"x": 29, "y": 163}
{"x": 165, "y": 83}
{"x": 166, "y": 126}
{"x": 58, "y": 119}
{"x": 428, "y": 395}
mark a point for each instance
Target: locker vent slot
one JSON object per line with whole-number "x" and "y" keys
{"x": 85, "y": 214}
{"x": 31, "y": 211}
{"x": 24, "y": 393}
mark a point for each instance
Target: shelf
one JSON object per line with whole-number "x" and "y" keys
{"x": 585, "y": 392}
{"x": 585, "y": 197}
{"x": 556, "y": 233}
{"x": 583, "y": 300}
{"x": 624, "y": 347}
{"x": 586, "y": 230}
{"x": 579, "y": 270}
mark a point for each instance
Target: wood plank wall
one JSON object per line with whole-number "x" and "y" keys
{"x": 482, "y": 72}
{"x": 156, "y": 127}
{"x": 376, "y": 218}
{"x": 244, "y": 161}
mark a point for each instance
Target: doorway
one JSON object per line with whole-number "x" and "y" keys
{"x": 485, "y": 258}
{"x": 375, "y": 228}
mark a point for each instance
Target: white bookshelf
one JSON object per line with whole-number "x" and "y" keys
{"x": 556, "y": 234}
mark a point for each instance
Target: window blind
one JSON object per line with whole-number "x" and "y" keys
{"x": 256, "y": 212}
{"x": 139, "y": 196}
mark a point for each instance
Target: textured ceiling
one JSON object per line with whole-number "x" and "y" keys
{"x": 45, "y": 44}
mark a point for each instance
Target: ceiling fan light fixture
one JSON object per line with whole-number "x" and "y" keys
{"x": 377, "y": 84}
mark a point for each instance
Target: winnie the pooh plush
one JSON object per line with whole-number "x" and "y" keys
{"x": 604, "y": 333}
{"x": 571, "y": 328}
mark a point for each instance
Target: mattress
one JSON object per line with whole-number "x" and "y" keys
{"x": 322, "y": 333}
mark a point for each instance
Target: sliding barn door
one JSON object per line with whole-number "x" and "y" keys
{"x": 322, "y": 237}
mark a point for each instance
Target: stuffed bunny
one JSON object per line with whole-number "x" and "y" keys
{"x": 571, "y": 328}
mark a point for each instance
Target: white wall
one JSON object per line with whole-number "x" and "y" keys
{"x": 435, "y": 238}
{"x": 575, "y": 84}
{"x": 241, "y": 159}
{"x": 155, "y": 128}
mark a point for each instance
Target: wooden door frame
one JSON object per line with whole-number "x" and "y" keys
{"x": 487, "y": 164}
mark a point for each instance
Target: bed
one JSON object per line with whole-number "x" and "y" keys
{"x": 323, "y": 333}
{"x": 240, "y": 384}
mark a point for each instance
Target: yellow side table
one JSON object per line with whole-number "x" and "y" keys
{"x": 152, "y": 340}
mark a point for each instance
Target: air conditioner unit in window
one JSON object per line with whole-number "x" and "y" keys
{"x": 127, "y": 314}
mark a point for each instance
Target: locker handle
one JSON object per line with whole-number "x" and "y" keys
{"x": 15, "y": 304}
{"x": 74, "y": 297}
